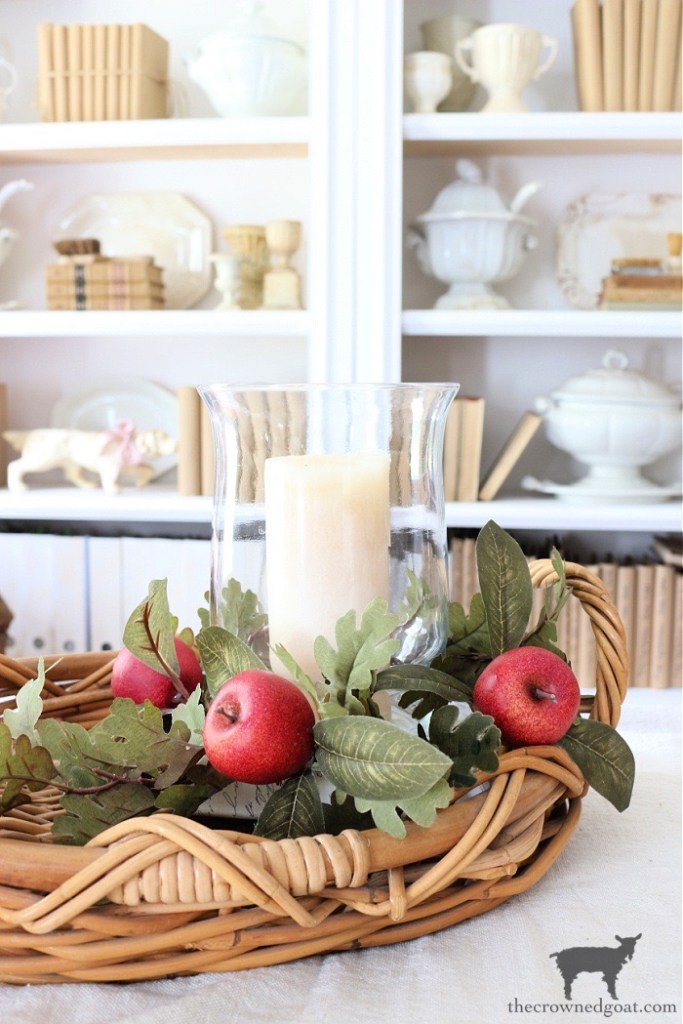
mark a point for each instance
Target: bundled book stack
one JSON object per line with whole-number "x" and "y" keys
{"x": 463, "y": 443}
{"x": 95, "y": 282}
{"x": 647, "y": 595}
{"x": 101, "y": 72}
{"x": 647, "y": 283}
{"x": 627, "y": 54}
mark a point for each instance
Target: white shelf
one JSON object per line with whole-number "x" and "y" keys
{"x": 172, "y": 138}
{"x": 155, "y": 504}
{"x": 553, "y": 515}
{"x": 162, "y": 504}
{"x": 514, "y": 323}
{"x": 547, "y": 132}
{"x": 154, "y": 323}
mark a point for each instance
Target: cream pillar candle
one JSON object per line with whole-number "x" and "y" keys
{"x": 327, "y": 544}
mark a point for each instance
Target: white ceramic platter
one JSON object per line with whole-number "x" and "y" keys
{"x": 587, "y": 491}
{"x": 600, "y": 227}
{"x": 102, "y": 406}
{"x": 165, "y": 225}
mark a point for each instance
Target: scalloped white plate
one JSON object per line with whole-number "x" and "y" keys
{"x": 600, "y": 227}
{"x": 165, "y": 225}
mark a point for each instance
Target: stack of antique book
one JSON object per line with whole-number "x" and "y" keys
{"x": 627, "y": 54}
{"x": 645, "y": 283}
{"x": 101, "y": 72}
{"x": 92, "y": 281}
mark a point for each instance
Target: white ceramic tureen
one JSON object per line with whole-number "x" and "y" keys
{"x": 249, "y": 68}
{"x": 470, "y": 239}
{"x": 615, "y": 420}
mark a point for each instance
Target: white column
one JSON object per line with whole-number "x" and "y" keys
{"x": 355, "y": 161}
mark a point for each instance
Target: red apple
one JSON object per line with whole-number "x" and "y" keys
{"x": 132, "y": 678}
{"x": 259, "y": 728}
{"x": 532, "y": 695}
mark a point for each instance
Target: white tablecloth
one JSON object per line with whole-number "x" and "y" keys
{"x": 619, "y": 875}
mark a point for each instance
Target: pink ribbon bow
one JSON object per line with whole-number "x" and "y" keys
{"x": 120, "y": 441}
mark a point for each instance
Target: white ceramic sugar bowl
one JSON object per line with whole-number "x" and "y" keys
{"x": 615, "y": 420}
{"x": 470, "y": 238}
{"x": 249, "y": 68}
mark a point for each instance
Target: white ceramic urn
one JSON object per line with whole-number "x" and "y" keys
{"x": 615, "y": 420}
{"x": 470, "y": 239}
{"x": 249, "y": 68}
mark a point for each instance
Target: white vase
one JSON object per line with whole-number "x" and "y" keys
{"x": 427, "y": 79}
{"x": 505, "y": 59}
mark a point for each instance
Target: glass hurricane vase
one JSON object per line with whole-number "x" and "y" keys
{"x": 328, "y": 496}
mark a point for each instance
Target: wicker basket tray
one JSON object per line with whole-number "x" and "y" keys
{"x": 164, "y": 895}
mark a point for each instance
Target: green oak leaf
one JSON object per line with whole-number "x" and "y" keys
{"x": 133, "y": 738}
{"x": 150, "y": 631}
{"x": 605, "y": 760}
{"x": 22, "y": 720}
{"x": 348, "y": 671}
{"x": 505, "y": 585}
{"x": 22, "y": 765}
{"x": 223, "y": 656}
{"x": 72, "y": 751}
{"x": 469, "y": 633}
{"x": 296, "y": 672}
{"x": 293, "y": 810}
{"x": 421, "y": 809}
{"x": 376, "y": 760}
{"x": 342, "y": 813}
{"x": 87, "y": 816}
{"x": 471, "y": 743}
{"x": 187, "y": 796}
{"x": 191, "y": 712}
{"x": 241, "y": 611}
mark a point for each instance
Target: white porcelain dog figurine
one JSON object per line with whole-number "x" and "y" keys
{"x": 108, "y": 454}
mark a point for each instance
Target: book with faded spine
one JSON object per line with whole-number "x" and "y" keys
{"x": 103, "y": 269}
{"x": 102, "y": 290}
{"x": 667, "y": 46}
{"x": 612, "y": 53}
{"x": 659, "y": 674}
{"x": 642, "y": 639}
{"x": 631, "y": 57}
{"x": 587, "y": 35}
{"x": 46, "y": 97}
{"x": 648, "y": 39}
{"x": 148, "y": 73}
{"x": 113, "y": 71}
{"x": 189, "y": 441}
{"x": 74, "y": 71}
{"x": 509, "y": 455}
{"x": 471, "y": 439}
{"x": 66, "y": 302}
{"x": 451, "y": 451}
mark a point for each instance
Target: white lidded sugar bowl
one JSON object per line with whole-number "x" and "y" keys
{"x": 615, "y": 420}
{"x": 470, "y": 239}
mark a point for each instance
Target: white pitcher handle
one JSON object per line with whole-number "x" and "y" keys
{"x": 551, "y": 42}
{"x": 461, "y": 46}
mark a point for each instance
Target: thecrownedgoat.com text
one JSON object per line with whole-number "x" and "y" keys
{"x": 599, "y": 1008}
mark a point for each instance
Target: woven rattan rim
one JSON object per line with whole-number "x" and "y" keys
{"x": 164, "y": 895}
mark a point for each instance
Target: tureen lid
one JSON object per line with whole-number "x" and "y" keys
{"x": 468, "y": 192}
{"x": 614, "y": 382}
{"x": 248, "y": 23}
